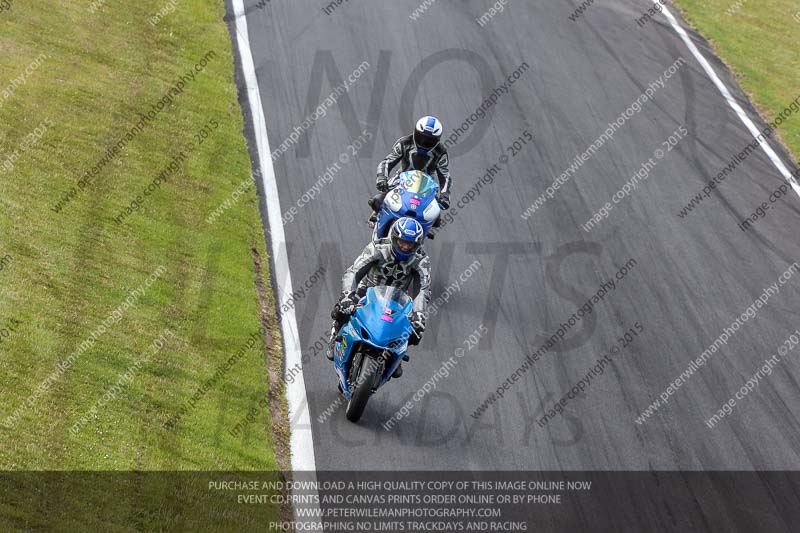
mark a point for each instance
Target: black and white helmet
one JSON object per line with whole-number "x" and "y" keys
{"x": 427, "y": 133}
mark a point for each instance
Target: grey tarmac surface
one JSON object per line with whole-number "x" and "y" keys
{"x": 692, "y": 276}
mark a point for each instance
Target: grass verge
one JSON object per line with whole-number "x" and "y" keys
{"x": 132, "y": 336}
{"x": 758, "y": 40}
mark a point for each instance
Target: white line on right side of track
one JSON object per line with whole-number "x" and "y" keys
{"x": 787, "y": 175}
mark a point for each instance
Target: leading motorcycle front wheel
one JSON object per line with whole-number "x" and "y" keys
{"x": 369, "y": 372}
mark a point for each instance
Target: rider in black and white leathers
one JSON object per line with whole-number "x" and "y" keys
{"x": 423, "y": 151}
{"x": 434, "y": 163}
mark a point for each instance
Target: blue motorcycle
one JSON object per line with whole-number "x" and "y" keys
{"x": 371, "y": 345}
{"x": 412, "y": 194}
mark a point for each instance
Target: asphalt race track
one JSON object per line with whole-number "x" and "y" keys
{"x": 684, "y": 279}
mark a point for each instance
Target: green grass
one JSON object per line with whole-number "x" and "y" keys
{"x": 760, "y": 43}
{"x": 66, "y": 272}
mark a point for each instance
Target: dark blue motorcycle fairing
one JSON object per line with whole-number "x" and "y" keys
{"x": 413, "y": 205}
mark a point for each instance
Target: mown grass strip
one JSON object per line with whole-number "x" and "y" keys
{"x": 121, "y": 115}
{"x": 758, "y": 40}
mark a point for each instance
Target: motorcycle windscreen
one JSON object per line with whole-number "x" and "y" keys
{"x": 418, "y": 183}
{"x": 383, "y": 319}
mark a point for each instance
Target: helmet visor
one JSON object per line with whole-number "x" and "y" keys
{"x": 404, "y": 246}
{"x": 425, "y": 140}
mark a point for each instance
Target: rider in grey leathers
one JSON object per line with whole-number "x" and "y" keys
{"x": 397, "y": 261}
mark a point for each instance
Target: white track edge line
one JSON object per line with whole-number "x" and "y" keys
{"x": 301, "y": 441}
{"x": 787, "y": 175}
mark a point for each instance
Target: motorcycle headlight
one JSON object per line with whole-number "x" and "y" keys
{"x": 432, "y": 211}
{"x": 394, "y": 201}
{"x": 398, "y": 345}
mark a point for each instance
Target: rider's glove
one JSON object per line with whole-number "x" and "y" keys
{"x": 444, "y": 199}
{"x": 347, "y": 303}
{"x": 418, "y": 323}
{"x": 382, "y": 184}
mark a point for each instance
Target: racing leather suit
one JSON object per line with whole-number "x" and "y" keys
{"x": 435, "y": 162}
{"x": 377, "y": 265}
{"x": 404, "y": 152}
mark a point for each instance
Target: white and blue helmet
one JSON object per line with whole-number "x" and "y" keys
{"x": 406, "y": 236}
{"x": 427, "y": 133}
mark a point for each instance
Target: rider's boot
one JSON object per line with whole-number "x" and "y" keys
{"x": 375, "y": 203}
{"x": 399, "y": 370}
{"x": 437, "y": 224}
{"x": 331, "y": 342}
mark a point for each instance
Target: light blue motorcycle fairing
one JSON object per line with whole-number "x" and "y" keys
{"x": 381, "y": 323}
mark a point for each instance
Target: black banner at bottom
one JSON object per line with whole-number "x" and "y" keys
{"x": 401, "y": 501}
